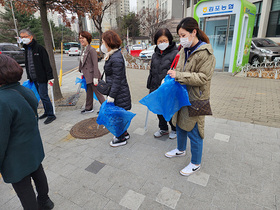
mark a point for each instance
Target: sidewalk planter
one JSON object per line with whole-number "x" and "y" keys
{"x": 264, "y": 73}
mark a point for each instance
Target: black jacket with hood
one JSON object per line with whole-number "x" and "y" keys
{"x": 41, "y": 62}
{"x": 160, "y": 64}
{"x": 116, "y": 76}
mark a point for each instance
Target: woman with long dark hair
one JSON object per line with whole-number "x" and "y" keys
{"x": 194, "y": 69}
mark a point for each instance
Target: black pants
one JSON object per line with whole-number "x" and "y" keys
{"x": 25, "y": 192}
{"x": 162, "y": 124}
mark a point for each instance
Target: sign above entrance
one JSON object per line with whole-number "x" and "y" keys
{"x": 214, "y": 8}
{"x": 218, "y": 9}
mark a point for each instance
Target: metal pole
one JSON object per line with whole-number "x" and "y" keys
{"x": 146, "y": 121}
{"x": 60, "y": 72}
{"x": 14, "y": 21}
{"x": 183, "y": 8}
{"x": 52, "y": 35}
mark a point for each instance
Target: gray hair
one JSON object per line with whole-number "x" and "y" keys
{"x": 27, "y": 31}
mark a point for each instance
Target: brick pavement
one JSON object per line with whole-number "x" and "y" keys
{"x": 240, "y": 166}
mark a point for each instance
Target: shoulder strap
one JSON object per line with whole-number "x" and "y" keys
{"x": 102, "y": 75}
{"x": 35, "y": 111}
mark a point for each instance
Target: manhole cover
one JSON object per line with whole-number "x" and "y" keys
{"x": 88, "y": 129}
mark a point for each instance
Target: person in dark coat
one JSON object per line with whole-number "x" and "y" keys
{"x": 165, "y": 52}
{"x": 89, "y": 67}
{"x": 21, "y": 148}
{"x": 39, "y": 71}
{"x": 114, "y": 69}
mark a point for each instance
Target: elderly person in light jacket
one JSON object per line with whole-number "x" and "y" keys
{"x": 89, "y": 67}
{"x": 194, "y": 69}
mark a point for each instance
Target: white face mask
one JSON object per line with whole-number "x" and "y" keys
{"x": 163, "y": 46}
{"x": 185, "y": 42}
{"x": 103, "y": 48}
{"x": 26, "y": 40}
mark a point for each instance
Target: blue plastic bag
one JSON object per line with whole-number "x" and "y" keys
{"x": 114, "y": 118}
{"x": 167, "y": 99}
{"x": 84, "y": 85}
{"x": 31, "y": 86}
{"x": 82, "y": 81}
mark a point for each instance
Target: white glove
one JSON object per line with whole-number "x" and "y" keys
{"x": 51, "y": 80}
{"x": 110, "y": 99}
{"x": 95, "y": 81}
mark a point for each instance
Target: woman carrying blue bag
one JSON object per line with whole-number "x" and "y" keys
{"x": 114, "y": 69}
{"x": 165, "y": 52}
{"x": 194, "y": 69}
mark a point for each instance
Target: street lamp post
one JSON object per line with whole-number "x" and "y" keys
{"x": 15, "y": 21}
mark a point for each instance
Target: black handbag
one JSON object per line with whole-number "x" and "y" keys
{"x": 103, "y": 87}
{"x": 199, "y": 107}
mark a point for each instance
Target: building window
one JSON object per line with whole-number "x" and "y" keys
{"x": 188, "y": 3}
{"x": 195, "y": 1}
{"x": 258, "y": 17}
{"x": 273, "y": 28}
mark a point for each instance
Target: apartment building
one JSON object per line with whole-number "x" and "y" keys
{"x": 122, "y": 7}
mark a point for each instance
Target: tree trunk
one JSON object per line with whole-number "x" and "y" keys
{"x": 80, "y": 22}
{"x": 48, "y": 46}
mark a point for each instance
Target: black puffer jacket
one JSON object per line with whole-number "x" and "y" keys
{"x": 41, "y": 61}
{"x": 160, "y": 64}
{"x": 115, "y": 75}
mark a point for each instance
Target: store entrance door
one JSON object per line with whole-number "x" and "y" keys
{"x": 220, "y": 32}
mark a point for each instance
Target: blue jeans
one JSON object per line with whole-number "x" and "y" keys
{"x": 42, "y": 89}
{"x": 195, "y": 140}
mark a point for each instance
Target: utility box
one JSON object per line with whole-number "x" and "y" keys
{"x": 229, "y": 25}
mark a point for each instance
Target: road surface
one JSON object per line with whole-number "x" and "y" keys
{"x": 68, "y": 63}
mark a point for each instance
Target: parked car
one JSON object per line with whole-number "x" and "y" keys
{"x": 147, "y": 54}
{"x": 13, "y": 51}
{"x": 74, "y": 51}
{"x": 264, "y": 48}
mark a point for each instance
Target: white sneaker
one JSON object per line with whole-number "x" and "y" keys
{"x": 175, "y": 153}
{"x": 173, "y": 135}
{"x": 190, "y": 169}
{"x": 160, "y": 133}
{"x": 87, "y": 111}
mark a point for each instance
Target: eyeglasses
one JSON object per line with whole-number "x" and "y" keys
{"x": 24, "y": 36}
{"x": 81, "y": 37}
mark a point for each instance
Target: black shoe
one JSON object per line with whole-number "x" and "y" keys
{"x": 118, "y": 142}
{"x": 43, "y": 116}
{"x": 50, "y": 119}
{"x": 46, "y": 205}
{"x": 86, "y": 111}
{"x": 126, "y": 135}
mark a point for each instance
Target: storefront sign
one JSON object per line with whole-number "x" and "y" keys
{"x": 218, "y": 9}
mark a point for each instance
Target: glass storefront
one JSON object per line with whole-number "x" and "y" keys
{"x": 220, "y": 33}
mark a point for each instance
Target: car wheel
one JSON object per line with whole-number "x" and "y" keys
{"x": 255, "y": 60}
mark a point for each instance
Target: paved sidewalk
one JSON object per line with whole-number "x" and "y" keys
{"x": 240, "y": 166}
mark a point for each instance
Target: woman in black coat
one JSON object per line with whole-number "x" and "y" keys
{"x": 114, "y": 69}
{"x": 165, "y": 52}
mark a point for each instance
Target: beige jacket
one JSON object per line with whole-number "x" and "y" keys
{"x": 196, "y": 74}
{"x": 89, "y": 65}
